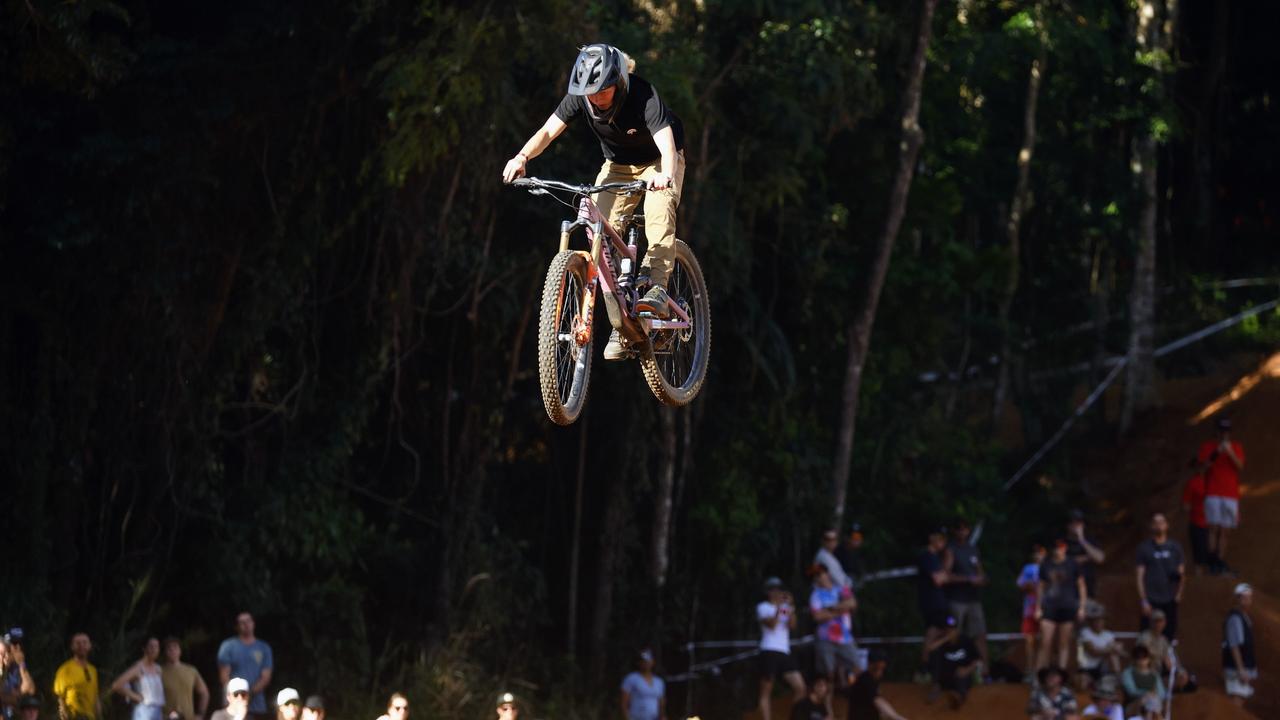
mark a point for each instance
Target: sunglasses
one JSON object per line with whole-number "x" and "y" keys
{"x": 240, "y": 693}
{"x": 401, "y": 708}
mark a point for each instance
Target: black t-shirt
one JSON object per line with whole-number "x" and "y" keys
{"x": 862, "y": 698}
{"x": 1060, "y": 578}
{"x": 931, "y": 596}
{"x": 951, "y": 657}
{"x": 1076, "y": 552}
{"x": 628, "y": 139}
{"x": 964, "y": 562}
{"x": 808, "y": 710}
{"x": 851, "y": 560}
{"x": 1162, "y": 576}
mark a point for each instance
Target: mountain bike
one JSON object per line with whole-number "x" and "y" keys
{"x": 673, "y": 353}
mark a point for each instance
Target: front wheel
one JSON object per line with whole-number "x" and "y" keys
{"x": 676, "y": 366}
{"x": 564, "y": 365}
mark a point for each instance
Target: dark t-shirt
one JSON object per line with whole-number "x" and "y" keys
{"x": 851, "y": 560}
{"x": 808, "y": 710}
{"x": 1161, "y": 561}
{"x": 1076, "y": 552}
{"x": 862, "y": 698}
{"x": 628, "y": 139}
{"x": 1060, "y": 590}
{"x": 964, "y": 562}
{"x": 931, "y": 597}
{"x": 951, "y": 657}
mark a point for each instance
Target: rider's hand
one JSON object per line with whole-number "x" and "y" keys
{"x": 515, "y": 168}
{"x": 661, "y": 182}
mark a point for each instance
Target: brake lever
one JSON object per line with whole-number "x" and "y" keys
{"x": 538, "y": 191}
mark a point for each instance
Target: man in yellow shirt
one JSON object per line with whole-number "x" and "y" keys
{"x": 76, "y": 683}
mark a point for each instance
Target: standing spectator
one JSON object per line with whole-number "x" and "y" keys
{"x": 1221, "y": 461}
{"x": 1059, "y": 604}
{"x": 1193, "y": 494}
{"x": 865, "y": 702}
{"x": 835, "y": 654}
{"x": 1084, "y": 551}
{"x": 1162, "y": 653}
{"x": 141, "y": 684}
{"x": 850, "y": 555}
{"x": 76, "y": 683}
{"x": 288, "y": 704}
{"x": 1050, "y": 698}
{"x": 1029, "y": 584}
{"x": 1106, "y": 701}
{"x": 28, "y": 707}
{"x": 644, "y": 695}
{"x": 965, "y": 578}
{"x": 777, "y": 617}
{"x": 1099, "y": 652}
{"x": 15, "y": 679}
{"x": 313, "y": 708}
{"x": 507, "y": 707}
{"x": 180, "y": 682}
{"x": 237, "y": 701}
{"x": 245, "y": 656}
{"x": 397, "y": 708}
{"x": 826, "y": 557}
{"x": 1159, "y": 574}
{"x": 817, "y": 704}
{"x": 1143, "y": 688}
{"x": 953, "y": 661}
{"x": 1239, "y": 664}
{"x": 931, "y": 576}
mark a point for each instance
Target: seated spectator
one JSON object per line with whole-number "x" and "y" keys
{"x": 953, "y": 658}
{"x": 1143, "y": 688}
{"x": 1050, "y": 698}
{"x": 1098, "y": 652}
{"x": 1162, "y": 653}
{"x": 1106, "y": 701}
{"x": 237, "y": 701}
{"x": 1029, "y": 584}
{"x": 814, "y": 705}
{"x": 29, "y": 707}
{"x": 865, "y": 701}
{"x": 313, "y": 709}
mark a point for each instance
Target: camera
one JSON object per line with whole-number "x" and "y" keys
{"x": 14, "y": 636}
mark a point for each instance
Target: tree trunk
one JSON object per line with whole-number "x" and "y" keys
{"x": 1013, "y": 228}
{"x": 576, "y": 549}
{"x": 859, "y": 331}
{"x": 662, "y": 508}
{"x": 615, "y": 521}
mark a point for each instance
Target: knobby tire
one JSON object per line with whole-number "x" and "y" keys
{"x": 564, "y": 367}
{"x": 664, "y": 367}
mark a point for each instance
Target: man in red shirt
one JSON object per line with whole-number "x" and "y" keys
{"x": 1221, "y": 462}
{"x": 1193, "y": 494}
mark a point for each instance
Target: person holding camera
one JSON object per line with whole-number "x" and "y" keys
{"x": 15, "y": 679}
{"x": 1160, "y": 575}
{"x": 777, "y": 617}
{"x": 76, "y": 683}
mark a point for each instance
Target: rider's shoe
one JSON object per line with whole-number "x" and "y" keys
{"x": 616, "y": 348}
{"x": 654, "y": 302}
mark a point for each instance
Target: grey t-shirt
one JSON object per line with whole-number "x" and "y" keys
{"x": 1163, "y": 562}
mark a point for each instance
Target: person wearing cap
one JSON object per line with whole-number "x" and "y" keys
{"x": 237, "y": 701}
{"x": 777, "y": 617}
{"x": 1050, "y": 698}
{"x": 15, "y": 679}
{"x": 1160, "y": 573}
{"x": 1029, "y": 584}
{"x": 288, "y": 704}
{"x": 1143, "y": 686}
{"x": 182, "y": 681}
{"x": 1059, "y": 604}
{"x": 1221, "y": 461}
{"x": 1239, "y": 662}
{"x": 826, "y": 557}
{"x": 313, "y": 708}
{"x": 507, "y": 707}
{"x": 865, "y": 701}
{"x": 850, "y": 556}
{"x": 965, "y": 580}
{"x": 931, "y": 576}
{"x": 397, "y": 707}
{"x": 1106, "y": 701}
{"x": 835, "y": 653}
{"x": 953, "y": 662}
{"x": 76, "y": 683}
{"x": 245, "y": 656}
{"x": 644, "y": 695}
{"x": 141, "y": 684}
{"x": 1098, "y": 652}
{"x": 1084, "y": 551}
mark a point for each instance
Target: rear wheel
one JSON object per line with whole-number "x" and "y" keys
{"x": 676, "y": 365}
{"x": 564, "y": 365}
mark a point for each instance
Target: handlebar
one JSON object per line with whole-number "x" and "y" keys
{"x": 539, "y": 184}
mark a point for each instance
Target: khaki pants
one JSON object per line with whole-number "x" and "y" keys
{"x": 659, "y": 211}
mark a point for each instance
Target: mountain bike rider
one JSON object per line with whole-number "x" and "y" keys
{"x": 641, "y": 140}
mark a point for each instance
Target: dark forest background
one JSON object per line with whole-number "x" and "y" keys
{"x": 265, "y": 314}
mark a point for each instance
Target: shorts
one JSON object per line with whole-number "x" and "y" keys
{"x": 830, "y": 656}
{"x": 1235, "y": 687}
{"x": 969, "y": 619}
{"x": 937, "y": 618}
{"x": 147, "y": 712}
{"x": 1029, "y": 625}
{"x": 1199, "y": 544}
{"x": 772, "y": 663}
{"x": 1222, "y": 511}
{"x": 1064, "y": 614}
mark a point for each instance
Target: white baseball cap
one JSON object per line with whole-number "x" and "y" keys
{"x": 1243, "y": 588}
{"x": 288, "y": 695}
{"x": 237, "y": 685}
